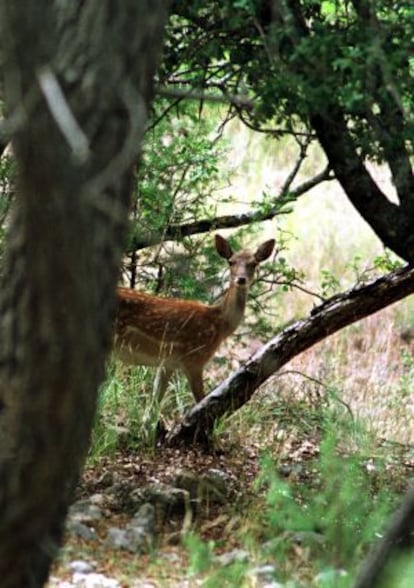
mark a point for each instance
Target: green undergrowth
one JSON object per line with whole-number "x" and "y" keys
{"x": 323, "y": 495}
{"x": 305, "y": 532}
{"x": 128, "y": 414}
{"x": 325, "y": 488}
{"x": 330, "y": 520}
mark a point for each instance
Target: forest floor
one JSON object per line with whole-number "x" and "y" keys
{"x": 287, "y": 422}
{"x": 223, "y": 526}
{"x": 169, "y": 563}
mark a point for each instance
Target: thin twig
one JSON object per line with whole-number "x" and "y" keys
{"x": 320, "y": 383}
{"x": 303, "y": 148}
{"x": 205, "y": 97}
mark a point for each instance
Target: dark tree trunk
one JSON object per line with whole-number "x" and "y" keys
{"x": 78, "y": 78}
{"x": 328, "y": 318}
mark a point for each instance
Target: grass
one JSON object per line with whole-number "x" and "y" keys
{"x": 331, "y": 435}
{"x": 372, "y": 370}
{"x": 128, "y": 415}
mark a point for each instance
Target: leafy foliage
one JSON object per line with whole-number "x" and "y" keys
{"x": 339, "y": 519}
{"x": 179, "y": 171}
{"x": 342, "y": 59}
{"x": 177, "y": 183}
{"x": 7, "y": 172}
{"x": 338, "y": 72}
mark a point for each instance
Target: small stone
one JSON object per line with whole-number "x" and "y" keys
{"x": 141, "y": 529}
{"x": 165, "y": 498}
{"x": 94, "y": 581}
{"x": 138, "y": 540}
{"x": 81, "y": 530}
{"x": 138, "y": 535}
{"x": 236, "y": 555}
{"x": 98, "y": 500}
{"x": 144, "y": 518}
{"x": 213, "y": 485}
{"x": 84, "y": 512}
{"x": 119, "y": 495}
{"x": 81, "y": 567}
{"x": 117, "y": 538}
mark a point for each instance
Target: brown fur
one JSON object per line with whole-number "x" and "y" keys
{"x": 184, "y": 334}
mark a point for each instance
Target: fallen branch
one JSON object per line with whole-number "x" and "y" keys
{"x": 324, "y": 320}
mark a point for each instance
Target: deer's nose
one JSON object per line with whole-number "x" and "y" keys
{"x": 241, "y": 280}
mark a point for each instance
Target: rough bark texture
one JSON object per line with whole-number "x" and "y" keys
{"x": 324, "y": 320}
{"x": 79, "y": 76}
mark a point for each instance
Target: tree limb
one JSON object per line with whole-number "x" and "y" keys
{"x": 324, "y": 320}
{"x": 230, "y": 221}
{"x": 191, "y": 94}
{"x": 391, "y": 222}
{"x": 388, "y": 122}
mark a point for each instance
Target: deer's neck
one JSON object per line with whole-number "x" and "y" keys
{"x": 233, "y": 307}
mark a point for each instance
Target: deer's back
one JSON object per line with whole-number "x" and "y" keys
{"x": 148, "y": 328}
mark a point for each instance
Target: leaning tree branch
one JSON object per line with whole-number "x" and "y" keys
{"x": 324, "y": 320}
{"x": 176, "y": 232}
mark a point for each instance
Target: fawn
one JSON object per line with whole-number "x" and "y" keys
{"x": 184, "y": 334}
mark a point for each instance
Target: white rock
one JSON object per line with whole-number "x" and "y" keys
{"x": 94, "y": 581}
{"x": 81, "y": 567}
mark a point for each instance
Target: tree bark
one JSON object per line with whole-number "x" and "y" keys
{"x": 78, "y": 78}
{"x": 328, "y": 318}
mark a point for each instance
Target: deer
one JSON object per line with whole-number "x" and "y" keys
{"x": 176, "y": 334}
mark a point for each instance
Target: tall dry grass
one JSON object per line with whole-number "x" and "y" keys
{"x": 370, "y": 364}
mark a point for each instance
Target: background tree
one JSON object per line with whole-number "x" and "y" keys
{"x": 77, "y": 78}
{"x": 335, "y": 72}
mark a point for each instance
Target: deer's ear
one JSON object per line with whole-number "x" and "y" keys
{"x": 223, "y": 247}
{"x": 264, "y": 250}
